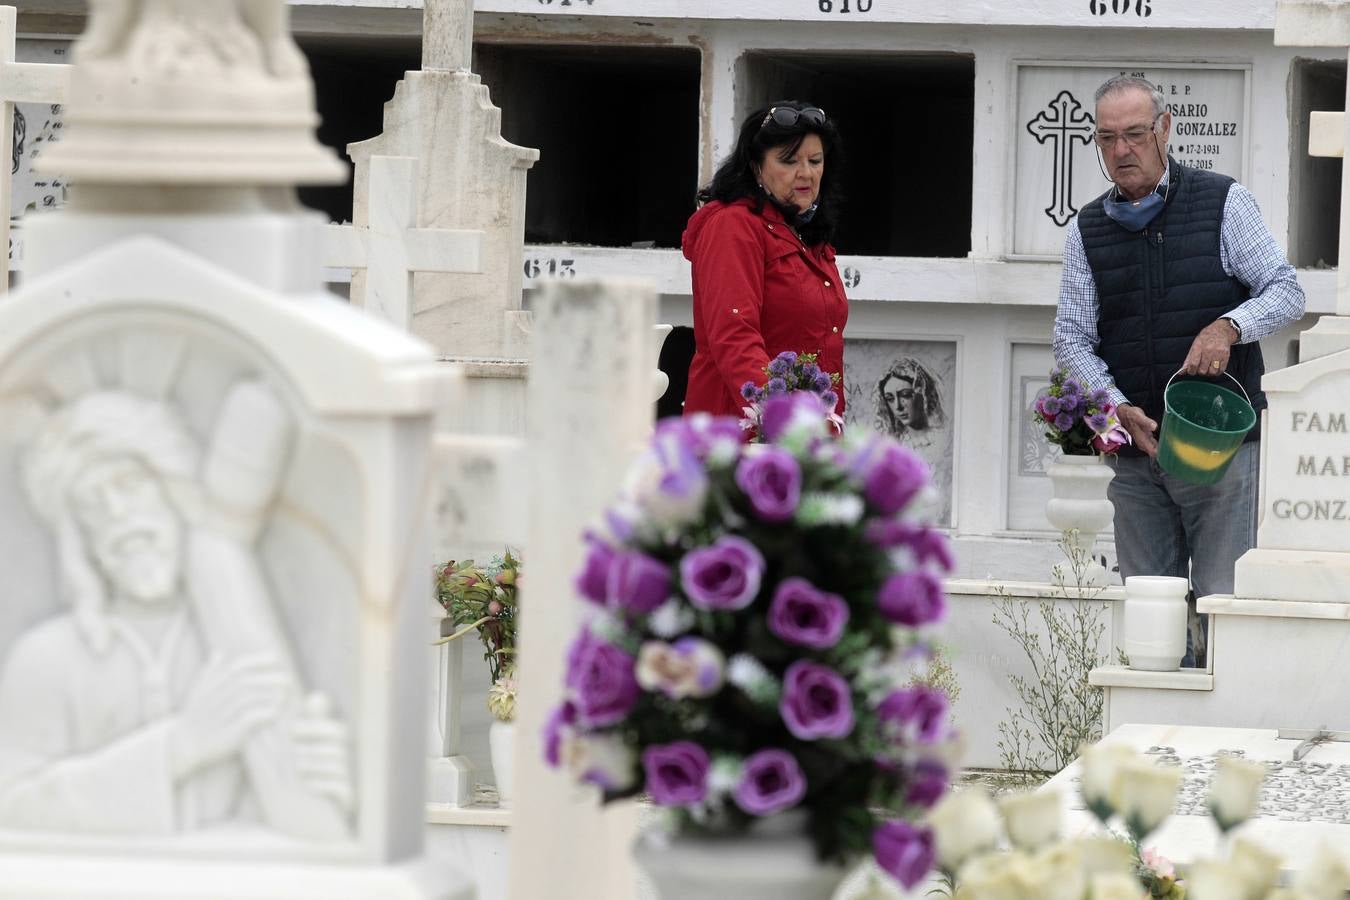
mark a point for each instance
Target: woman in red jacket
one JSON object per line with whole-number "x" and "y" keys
{"x": 764, "y": 274}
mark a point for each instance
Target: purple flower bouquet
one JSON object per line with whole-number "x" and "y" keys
{"x": 1079, "y": 422}
{"x": 788, "y": 373}
{"x": 758, "y": 613}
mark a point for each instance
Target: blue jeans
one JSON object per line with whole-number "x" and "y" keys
{"x": 1165, "y": 526}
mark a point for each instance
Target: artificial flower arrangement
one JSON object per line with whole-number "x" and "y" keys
{"x": 786, "y": 373}
{"x": 1118, "y": 784}
{"x": 757, "y": 609}
{"x": 1079, "y": 422}
{"x": 484, "y": 599}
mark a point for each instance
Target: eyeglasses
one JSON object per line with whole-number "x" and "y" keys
{"x": 787, "y": 116}
{"x": 1133, "y": 137}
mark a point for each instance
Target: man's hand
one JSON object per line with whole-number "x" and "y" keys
{"x": 1210, "y": 350}
{"x": 1140, "y": 427}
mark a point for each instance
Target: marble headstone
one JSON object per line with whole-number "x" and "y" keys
{"x": 1303, "y": 543}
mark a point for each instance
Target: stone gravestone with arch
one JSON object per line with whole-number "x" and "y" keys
{"x": 1303, "y": 544}
{"x": 215, "y": 482}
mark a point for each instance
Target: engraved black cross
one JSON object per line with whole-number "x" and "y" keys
{"x": 1062, "y": 122}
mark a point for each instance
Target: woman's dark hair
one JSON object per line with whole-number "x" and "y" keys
{"x": 735, "y": 178}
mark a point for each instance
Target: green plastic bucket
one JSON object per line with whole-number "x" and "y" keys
{"x": 1202, "y": 428}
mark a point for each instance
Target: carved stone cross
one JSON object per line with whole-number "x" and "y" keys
{"x": 1062, "y": 123}
{"x": 391, "y": 248}
{"x": 447, "y": 35}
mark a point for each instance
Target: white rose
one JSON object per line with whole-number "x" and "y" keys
{"x": 1257, "y": 866}
{"x": 1104, "y": 856}
{"x": 1208, "y": 879}
{"x": 689, "y": 668}
{"x": 601, "y": 760}
{"x": 998, "y": 876}
{"x": 1328, "y": 876}
{"x": 1098, "y": 765}
{"x": 1235, "y": 791}
{"x": 964, "y": 823}
{"x": 1059, "y": 870}
{"x": 1144, "y": 795}
{"x": 668, "y": 483}
{"x": 1115, "y": 886}
{"x": 1032, "y": 819}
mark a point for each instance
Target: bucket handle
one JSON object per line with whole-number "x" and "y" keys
{"x": 1230, "y": 378}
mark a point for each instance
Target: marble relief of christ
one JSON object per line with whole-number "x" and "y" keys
{"x": 127, "y": 714}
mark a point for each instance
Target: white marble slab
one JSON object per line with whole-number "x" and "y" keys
{"x": 1304, "y": 805}
{"x": 1228, "y": 605}
{"x": 1181, "y": 680}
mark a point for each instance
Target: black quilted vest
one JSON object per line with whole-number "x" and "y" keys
{"x": 1158, "y": 288}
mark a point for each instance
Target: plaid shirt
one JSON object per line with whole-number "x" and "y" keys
{"x": 1247, "y": 251}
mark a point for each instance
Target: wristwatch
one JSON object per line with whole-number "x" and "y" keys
{"x": 1237, "y": 329}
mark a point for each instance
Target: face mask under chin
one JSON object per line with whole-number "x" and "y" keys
{"x": 1134, "y": 215}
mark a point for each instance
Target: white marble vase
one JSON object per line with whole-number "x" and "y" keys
{"x": 1078, "y": 507}
{"x": 775, "y": 862}
{"x": 1155, "y": 622}
{"x": 502, "y": 744}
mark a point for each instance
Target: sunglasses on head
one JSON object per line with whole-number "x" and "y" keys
{"x": 787, "y": 116}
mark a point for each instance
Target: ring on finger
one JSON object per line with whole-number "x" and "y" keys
{"x": 1216, "y": 365}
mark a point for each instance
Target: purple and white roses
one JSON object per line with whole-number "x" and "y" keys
{"x": 749, "y": 606}
{"x": 723, "y": 576}
{"x": 800, "y": 614}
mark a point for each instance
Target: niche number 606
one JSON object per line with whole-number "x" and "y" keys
{"x": 1141, "y": 8}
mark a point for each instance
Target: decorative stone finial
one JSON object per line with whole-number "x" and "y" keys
{"x": 199, "y": 92}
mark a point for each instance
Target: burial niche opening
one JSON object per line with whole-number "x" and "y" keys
{"x": 908, "y": 126}
{"x": 353, "y": 79}
{"x": 617, "y": 129}
{"x": 1314, "y": 182}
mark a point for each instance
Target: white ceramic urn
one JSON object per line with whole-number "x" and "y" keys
{"x": 1155, "y": 622}
{"x": 1078, "y": 507}
{"x": 774, "y": 861}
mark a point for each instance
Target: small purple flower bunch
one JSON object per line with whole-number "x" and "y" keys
{"x": 757, "y": 611}
{"x": 787, "y": 373}
{"x": 1079, "y": 422}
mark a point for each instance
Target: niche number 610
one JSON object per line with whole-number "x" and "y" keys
{"x": 862, "y": 6}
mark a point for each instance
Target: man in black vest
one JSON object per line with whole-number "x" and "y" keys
{"x": 1171, "y": 271}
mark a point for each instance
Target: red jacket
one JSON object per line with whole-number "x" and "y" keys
{"x": 757, "y": 292}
